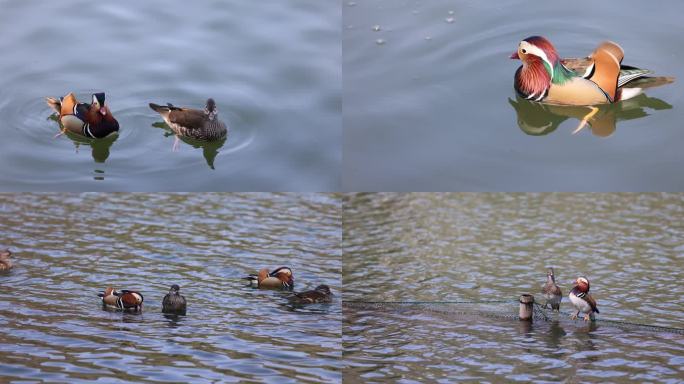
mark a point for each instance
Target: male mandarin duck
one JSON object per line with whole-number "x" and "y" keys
{"x": 174, "y": 302}
{"x": 552, "y": 292}
{"x": 321, "y": 294}
{"x": 123, "y": 299}
{"x": 193, "y": 123}
{"x": 92, "y": 120}
{"x": 280, "y": 278}
{"x": 597, "y": 79}
{"x": 5, "y": 262}
{"x": 582, "y": 300}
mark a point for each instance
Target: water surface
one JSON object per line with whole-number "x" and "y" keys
{"x": 428, "y": 94}
{"x": 494, "y": 247}
{"x": 70, "y": 247}
{"x": 273, "y": 68}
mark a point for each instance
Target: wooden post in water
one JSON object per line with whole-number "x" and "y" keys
{"x": 526, "y": 307}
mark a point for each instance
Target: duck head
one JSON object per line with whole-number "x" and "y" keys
{"x": 549, "y": 275}
{"x": 540, "y": 68}
{"x": 210, "y": 110}
{"x": 537, "y": 49}
{"x": 99, "y": 103}
{"x": 582, "y": 283}
{"x": 174, "y": 289}
{"x": 324, "y": 289}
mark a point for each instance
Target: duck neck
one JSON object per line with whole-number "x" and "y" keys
{"x": 533, "y": 77}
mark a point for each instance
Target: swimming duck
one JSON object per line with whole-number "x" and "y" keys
{"x": 552, "y": 292}
{"x": 280, "y": 278}
{"x": 123, "y": 299}
{"x": 193, "y": 123}
{"x": 174, "y": 302}
{"x": 5, "y": 262}
{"x": 321, "y": 294}
{"x": 597, "y": 79}
{"x": 92, "y": 120}
{"x": 582, "y": 300}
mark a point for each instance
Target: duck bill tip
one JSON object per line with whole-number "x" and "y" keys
{"x": 514, "y": 56}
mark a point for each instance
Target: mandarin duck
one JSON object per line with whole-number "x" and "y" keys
{"x": 280, "y": 278}
{"x": 321, "y": 294}
{"x": 552, "y": 292}
{"x": 174, "y": 302}
{"x": 123, "y": 299}
{"x": 5, "y": 262}
{"x": 193, "y": 123}
{"x": 582, "y": 300}
{"x": 596, "y": 79}
{"x": 92, "y": 120}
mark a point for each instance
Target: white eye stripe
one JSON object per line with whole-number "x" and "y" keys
{"x": 533, "y": 50}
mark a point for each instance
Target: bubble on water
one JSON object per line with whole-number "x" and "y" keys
{"x": 380, "y": 41}
{"x": 376, "y": 28}
{"x": 428, "y": 37}
{"x": 451, "y": 12}
{"x": 449, "y": 20}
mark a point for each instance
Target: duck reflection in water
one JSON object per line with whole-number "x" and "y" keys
{"x": 209, "y": 148}
{"x": 100, "y": 147}
{"x": 537, "y": 119}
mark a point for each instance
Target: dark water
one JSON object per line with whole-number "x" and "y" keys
{"x": 273, "y": 68}
{"x": 429, "y": 102}
{"x": 484, "y": 247}
{"x": 70, "y": 247}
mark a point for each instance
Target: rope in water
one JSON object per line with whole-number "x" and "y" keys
{"x": 539, "y": 312}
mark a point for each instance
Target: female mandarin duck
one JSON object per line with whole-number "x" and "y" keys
{"x": 123, "y": 299}
{"x": 174, "y": 302}
{"x": 5, "y": 262}
{"x": 92, "y": 120}
{"x": 321, "y": 294}
{"x": 193, "y": 123}
{"x": 280, "y": 278}
{"x": 582, "y": 300}
{"x": 552, "y": 292}
{"x": 597, "y": 79}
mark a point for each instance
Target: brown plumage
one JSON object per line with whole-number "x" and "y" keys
{"x": 174, "y": 302}
{"x": 552, "y": 292}
{"x": 5, "y": 262}
{"x": 321, "y": 294}
{"x": 193, "y": 123}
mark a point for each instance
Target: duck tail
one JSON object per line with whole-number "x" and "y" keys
{"x": 55, "y": 104}
{"x": 159, "y": 108}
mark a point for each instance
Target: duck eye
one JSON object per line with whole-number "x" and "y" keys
{"x": 524, "y": 51}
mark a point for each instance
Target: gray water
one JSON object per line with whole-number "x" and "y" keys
{"x": 70, "y": 247}
{"x": 273, "y": 68}
{"x": 490, "y": 247}
{"x": 429, "y": 102}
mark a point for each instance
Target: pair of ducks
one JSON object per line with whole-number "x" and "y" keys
{"x": 95, "y": 120}
{"x": 600, "y": 78}
{"x": 282, "y": 278}
{"x": 579, "y": 296}
{"x": 175, "y": 303}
